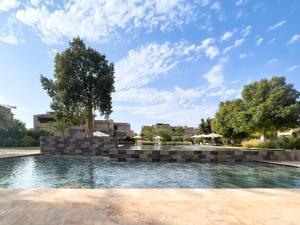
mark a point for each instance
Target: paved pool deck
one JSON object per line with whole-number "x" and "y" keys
{"x": 282, "y": 163}
{"x": 11, "y": 153}
{"x": 149, "y": 206}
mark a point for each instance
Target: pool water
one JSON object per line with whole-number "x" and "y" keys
{"x": 99, "y": 172}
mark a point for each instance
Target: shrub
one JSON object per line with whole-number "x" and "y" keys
{"x": 252, "y": 143}
{"x": 27, "y": 141}
{"x": 278, "y": 143}
{"x": 288, "y": 142}
{"x": 147, "y": 142}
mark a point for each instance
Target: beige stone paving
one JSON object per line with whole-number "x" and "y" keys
{"x": 283, "y": 163}
{"x": 9, "y": 153}
{"x": 149, "y": 206}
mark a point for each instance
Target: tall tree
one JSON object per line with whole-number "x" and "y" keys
{"x": 272, "y": 105}
{"x": 205, "y": 126}
{"x": 83, "y": 82}
{"x": 178, "y": 133}
{"x": 147, "y": 132}
{"x": 266, "y": 105}
{"x": 5, "y": 115}
{"x": 11, "y": 133}
{"x": 230, "y": 120}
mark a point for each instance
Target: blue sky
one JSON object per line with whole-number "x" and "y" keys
{"x": 175, "y": 60}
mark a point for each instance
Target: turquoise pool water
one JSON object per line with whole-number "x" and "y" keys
{"x": 98, "y": 172}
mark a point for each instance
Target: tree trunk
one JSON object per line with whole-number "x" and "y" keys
{"x": 90, "y": 122}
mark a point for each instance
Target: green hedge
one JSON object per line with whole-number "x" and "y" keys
{"x": 167, "y": 143}
{"x": 278, "y": 143}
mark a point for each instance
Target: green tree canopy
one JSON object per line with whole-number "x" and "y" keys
{"x": 229, "y": 120}
{"x": 12, "y": 133}
{"x": 205, "y": 126}
{"x": 5, "y": 115}
{"x": 147, "y": 132}
{"x": 178, "y": 133}
{"x": 266, "y": 105}
{"x": 271, "y": 105}
{"x": 83, "y": 83}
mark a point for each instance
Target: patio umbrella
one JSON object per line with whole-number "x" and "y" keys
{"x": 137, "y": 137}
{"x": 196, "y": 136}
{"x": 157, "y": 137}
{"x": 213, "y": 135}
{"x": 100, "y": 134}
{"x": 203, "y": 136}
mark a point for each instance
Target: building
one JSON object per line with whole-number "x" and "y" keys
{"x": 106, "y": 126}
{"x": 113, "y": 128}
{"x": 41, "y": 121}
{"x": 189, "y": 131}
{"x": 123, "y": 128}
{"x": 286, "y": 133}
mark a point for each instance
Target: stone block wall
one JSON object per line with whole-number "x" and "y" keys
{"x": 231, "y": 155}
{"x": 107, "y": 146}
{"x": 77, "y": 145}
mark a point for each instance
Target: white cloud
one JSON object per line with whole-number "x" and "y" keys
{"x": 259, "y": 40}
{"x": 177, "y": 105}
{"x": 148, "y": 62}
{"x": 240, "y": 2}
{"x": 39, "y": 2}
{"x": 146, "y": 96}
{"x": 101, "y": 19}
{"x": 237, "y": 43}
{"x": 9, "y": 32}
{"x": 246, "y": 31}
{"x": 211, "y": 51}
{"x": 52, "y": 53}
{"x": 143, "y": 65}
{"x": 216, "y": 6}
{"x": 226, "y": 93}
{"x": 11, "y": 39}
{"x": 271, "y": 41}
{"x": 294, "y": 39}
{"x": 204, "y": 2}
{"x": 240, "y": 14}
{"x": 277, "y": 25}
{"x": 242, "y": 56}
{"x": 6, "y": 5}
{"x": 214, "y": 76}
{"x": 227, "y": 35}
{"x": 292, "y": 68}
{"x": 271, "y": 61}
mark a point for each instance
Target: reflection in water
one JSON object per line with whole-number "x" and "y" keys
{"x": 98, "y": 172}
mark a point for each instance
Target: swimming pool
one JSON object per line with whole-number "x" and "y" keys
{"x": 98, "y": 172}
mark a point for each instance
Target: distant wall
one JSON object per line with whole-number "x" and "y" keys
{"x": 77, "y": 146}
{"x": 231, "y": 155}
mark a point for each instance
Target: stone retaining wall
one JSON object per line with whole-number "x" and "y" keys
{"x": 232, "y": 155}
{"x": 107, "y": 146}
{"x": 77, "y": 145}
